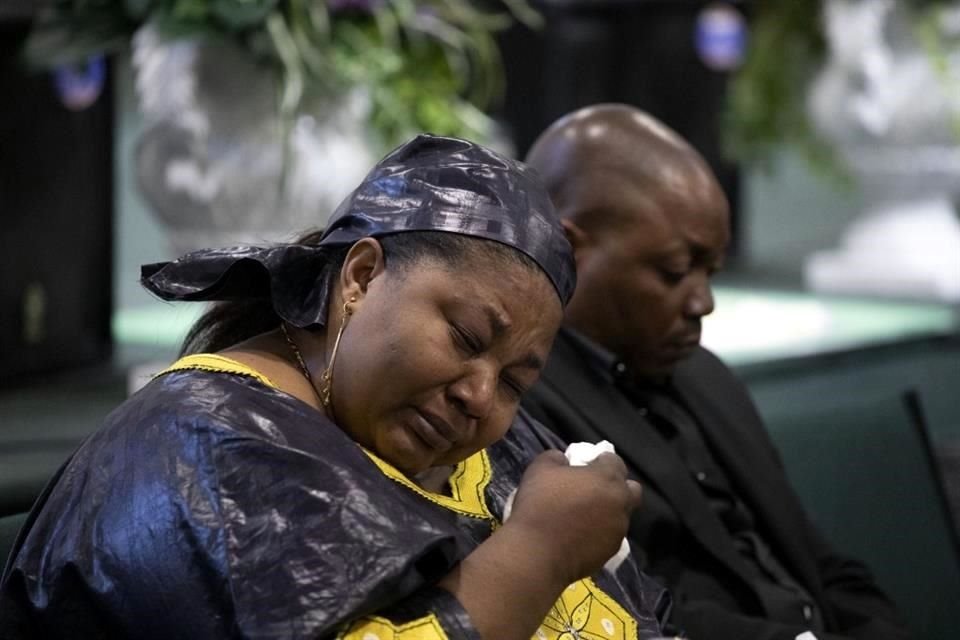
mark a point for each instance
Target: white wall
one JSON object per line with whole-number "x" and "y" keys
{"x": 790, "y": 212}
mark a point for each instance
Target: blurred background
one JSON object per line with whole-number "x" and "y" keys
{"x": 134, "y": 131}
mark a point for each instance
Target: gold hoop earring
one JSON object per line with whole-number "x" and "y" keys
{"x": 326, "y": 378}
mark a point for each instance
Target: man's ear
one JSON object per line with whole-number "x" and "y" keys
{"x": 363, "y": 263}
{"x": 579, "y": 239}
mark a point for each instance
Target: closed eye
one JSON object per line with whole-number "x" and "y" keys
{"x": 671, "y": 276}
{"x": 514, "y": 388}
{"x": 465, "y": 340}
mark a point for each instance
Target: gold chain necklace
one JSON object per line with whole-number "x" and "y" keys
{"x": 303, "y": 365}
{"x": 326, "y": 378}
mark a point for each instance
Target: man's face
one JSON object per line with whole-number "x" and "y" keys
{"x": 644, "y": 278}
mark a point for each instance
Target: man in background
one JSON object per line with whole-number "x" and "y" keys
{"x": 720, "y": 523}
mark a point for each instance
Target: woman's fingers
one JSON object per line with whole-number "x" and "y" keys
{"x": 592, "y": 501}
{"x": 614, "y": 465}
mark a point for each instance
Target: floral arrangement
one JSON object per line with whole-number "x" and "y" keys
{"x": 767, "y": 100}
{"x": 427, "y": 65}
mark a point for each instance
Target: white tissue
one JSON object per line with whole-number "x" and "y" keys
{"x": 580, "y": 454}
{"x": 806, "y": 635}
{"x": 583, "y": 453}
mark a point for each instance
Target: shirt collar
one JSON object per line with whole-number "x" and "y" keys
{"x": 603, "y": 361}
{"x": 609, "y": 366}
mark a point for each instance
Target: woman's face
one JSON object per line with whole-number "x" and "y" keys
{"x": 434, "y": 359}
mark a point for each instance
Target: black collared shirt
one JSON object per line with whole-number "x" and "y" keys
{"x": 783, "y": 597}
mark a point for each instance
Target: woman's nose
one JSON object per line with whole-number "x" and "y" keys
{"x": 475, "y": 390}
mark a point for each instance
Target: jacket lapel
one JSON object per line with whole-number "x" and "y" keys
{"x": 756, "y": 474}
{"x": 610, "y": 415}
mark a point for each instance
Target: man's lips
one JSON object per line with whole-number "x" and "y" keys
{"x": 684, "y": 344}
{"x": 689, "y": 340}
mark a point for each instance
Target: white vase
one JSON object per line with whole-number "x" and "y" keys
{"x": 211, "y": 159}
{"x": 890, "y": 113}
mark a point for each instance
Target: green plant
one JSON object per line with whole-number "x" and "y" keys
{"x": 767, "y": 100}
{"x": 428, "y": 65}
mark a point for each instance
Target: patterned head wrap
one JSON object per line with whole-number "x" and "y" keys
{"x": 431, "y": 183}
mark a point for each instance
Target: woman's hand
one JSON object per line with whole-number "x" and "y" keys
{"x": 575, "y": 517}
{"x": 566, "y": 522}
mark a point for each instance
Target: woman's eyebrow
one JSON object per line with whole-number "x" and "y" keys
{"x": 499, "y": 320}
{"x": 500, "y": 323}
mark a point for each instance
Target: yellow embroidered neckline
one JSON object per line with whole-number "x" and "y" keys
{"x": 425, "y": 628}
{"x": 469, "y": 479}
{"x": 218, "y": 364}
{"x": 468, "y": 483}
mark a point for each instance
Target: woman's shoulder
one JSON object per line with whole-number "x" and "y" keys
{"x": 178, "y": 404}
{"x": 198, "y": 420}
{"x": 198, "y": 390}
{"x": 193, "y": 403}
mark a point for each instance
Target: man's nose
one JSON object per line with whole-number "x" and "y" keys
{"x": 474, "y": 391}
{"x": 700, "y": 300}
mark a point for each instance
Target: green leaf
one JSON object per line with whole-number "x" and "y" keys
{"x": 56, "y": 40}
{"x": 242, "y": 14}
{"x": 137, "y": 9}
{"x": 427, "y": 64}
{"x": 190, "y": 11}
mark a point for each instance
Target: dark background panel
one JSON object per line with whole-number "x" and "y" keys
{"x": 56, "y": 201}
{"x": 641, "y": 53}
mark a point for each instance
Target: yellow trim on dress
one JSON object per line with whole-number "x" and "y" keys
{"x": 217, "y": 364}
{"x": 468, "y": 482}
{"x": 584, "y": 611}
{"x": 377, "y": 628}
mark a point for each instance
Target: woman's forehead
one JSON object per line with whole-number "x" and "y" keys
{"x": 509, "y": 297}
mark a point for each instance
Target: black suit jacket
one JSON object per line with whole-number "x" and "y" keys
{"x": 682, "y": 540}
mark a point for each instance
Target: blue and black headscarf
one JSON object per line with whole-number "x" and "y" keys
{"x": 431, "y": 183}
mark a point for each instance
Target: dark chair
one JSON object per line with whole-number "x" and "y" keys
{"x": 948, "y": 455}
{"x": 865, "y": 472}
{"x": 9, "y": 527}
